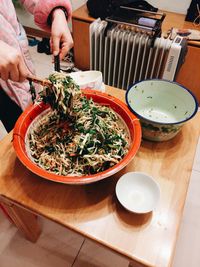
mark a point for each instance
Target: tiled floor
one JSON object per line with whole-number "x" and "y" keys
{"x": 58, "y": 246}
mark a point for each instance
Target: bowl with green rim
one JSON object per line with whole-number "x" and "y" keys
{"x": 162, "y": 106}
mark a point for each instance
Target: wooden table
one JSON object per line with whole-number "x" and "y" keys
{"x": 93, "y": 210}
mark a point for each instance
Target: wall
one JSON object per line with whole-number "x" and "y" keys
{"x": 178, "y": 6}
{"x": 77, "y": 3}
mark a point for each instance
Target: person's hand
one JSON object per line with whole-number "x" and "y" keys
{"x": 61, "y": 39}
{"x": 12, "y": 65}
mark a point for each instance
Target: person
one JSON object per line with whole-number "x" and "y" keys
{"x": 15, "y": 62}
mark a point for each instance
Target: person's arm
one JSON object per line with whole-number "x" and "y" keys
{"x": 12, "y": 65}
{"x": 53, "y": 16}
{"x": 61, "y": 39}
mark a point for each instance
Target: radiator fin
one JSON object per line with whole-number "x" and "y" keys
{"x": 125, "y": 56}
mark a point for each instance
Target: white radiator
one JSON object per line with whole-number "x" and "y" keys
{"x": 125, "y": 56}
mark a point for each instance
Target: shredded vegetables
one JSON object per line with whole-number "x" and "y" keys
{"x": 78, "y": 137}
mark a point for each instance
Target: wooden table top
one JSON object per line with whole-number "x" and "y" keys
{"x": 93, "y": 210}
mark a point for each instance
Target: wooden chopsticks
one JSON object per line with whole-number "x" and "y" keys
{"x": 39, "y": 81}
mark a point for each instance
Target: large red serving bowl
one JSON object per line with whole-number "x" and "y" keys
{"x": 25, "y": 120}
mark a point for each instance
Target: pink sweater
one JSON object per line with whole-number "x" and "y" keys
{"x": 13, "y": 34}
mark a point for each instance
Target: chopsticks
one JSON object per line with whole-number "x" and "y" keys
{"x": 57, "y": 63}
{"x": 39, "y": 81}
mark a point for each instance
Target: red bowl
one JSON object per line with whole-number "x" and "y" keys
{"x": 118, "y": 106}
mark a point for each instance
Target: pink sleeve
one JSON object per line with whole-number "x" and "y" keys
{"x": 29, "y": 5}
{"x": 42, "y": 8}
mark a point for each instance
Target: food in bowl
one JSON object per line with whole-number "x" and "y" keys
{"x": 162, "y": 107}
{"x": 77, "y": 137}
{"x": 120, "y": 138}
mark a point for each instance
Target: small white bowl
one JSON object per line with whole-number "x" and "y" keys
{"x": 88, "y": 79}
{"x": 137, "y": 192}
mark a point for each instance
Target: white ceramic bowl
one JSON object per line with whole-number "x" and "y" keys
{"x": 162, "y": 107}
{"x": 88, "y": 79}
{"x": 137, "y": 192}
